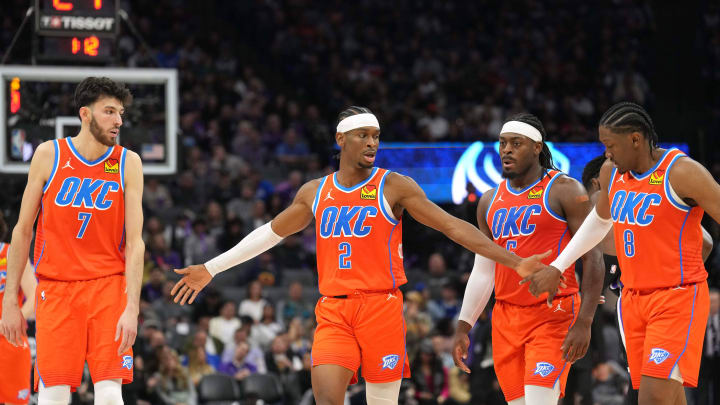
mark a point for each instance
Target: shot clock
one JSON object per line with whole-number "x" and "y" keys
{"x": 76, "y": 30}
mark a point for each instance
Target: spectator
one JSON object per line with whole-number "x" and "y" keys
{"x": 172, "y": 381}
{"x": 253, "y": 305}
{"x": 223, "y": 327}
{"x": 200, "y": 245}
{"x": 153, "y": 289}
{"x": 255, "y": 355}
{"x": 198, "y": 366}
{"x": 429, "y": 377}
{"x": 263, "y": 332}
{"x": 239, "y": 367}
{"x": 294, "y": 305}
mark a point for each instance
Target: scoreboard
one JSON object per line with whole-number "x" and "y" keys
{"x": 76, "y": 30}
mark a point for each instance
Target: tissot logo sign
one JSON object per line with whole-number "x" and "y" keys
{"x": 72, "y": 23}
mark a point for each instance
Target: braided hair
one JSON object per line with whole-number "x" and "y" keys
{"x": 546, "y": 160}
{"x": 350, "y": 111}
{"x": 626, "y": 117}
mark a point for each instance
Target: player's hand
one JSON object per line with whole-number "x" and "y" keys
{"x": 195, "y": 278}
{"x": 126, "y": 329}
{"x": 548, "y": 280}
{"x": 12, "y": 324}
{"x": 461, "y": 342}
{"x": 576, "y": 342}
{"x": 531, "y": 264}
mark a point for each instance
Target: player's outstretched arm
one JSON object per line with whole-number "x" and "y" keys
{"x": 477, "y": 293}
{"x": 404, "y": 191}
{"x": 12, "y": 324}
{"x": 126, "y": 329}
{"x": 292, "y": 219}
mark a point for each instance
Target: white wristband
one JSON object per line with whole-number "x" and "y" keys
{"x": 591, "y": 232}
{"x": 255, "y": 243}
{"x": 478, "y": 290}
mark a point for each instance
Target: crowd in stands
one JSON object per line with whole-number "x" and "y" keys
{"x": 261, "y": 82}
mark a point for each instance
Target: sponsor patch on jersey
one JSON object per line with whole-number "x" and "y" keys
{"x": 127, "y": 362}
{"x": 536, "y": 192}
{"x": 390, "y": 361}
{"x": 112, "y": 166}
{"x": 543, "y": 369}
{"x": 658, "y": 355}
{"x": 24, "y": 394}
{"x": 3, "y": 261}
{"x": 368, "y": 192}
{"x": 657, "y": 177}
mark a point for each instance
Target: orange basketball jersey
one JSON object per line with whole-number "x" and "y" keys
{"x": 359, "y": 242}
{"x": 81, "y": 226}
{"x": 3, "y": 274}
{"x": 657, "y": 236}
{"x": 523, "y": 222}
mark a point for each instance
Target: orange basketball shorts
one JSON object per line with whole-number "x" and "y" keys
{"x": 75, "y": 322}
{"x": 526, "y": 344}
{"x": 663, "y": 328}
{"x": 15, "y": 380}
{"x": 364, "y": 330}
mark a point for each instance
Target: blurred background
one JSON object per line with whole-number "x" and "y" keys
{"x": 259, "y": 86}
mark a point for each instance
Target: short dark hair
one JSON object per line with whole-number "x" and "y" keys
{"x": 91, "y": 89}
{"x": 545, "y": 156}
{"x": 592, "y": 170}
{"x": 626, "y": 117}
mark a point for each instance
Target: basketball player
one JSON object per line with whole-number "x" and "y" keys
{"x": 88, "y": 252}
{"x": 357, "y": 212}
{"x": 591, "y": 181}
{"x": 654, "y": 203}
{"x": 16, "y": 361}
{"x": 535, "y": 209}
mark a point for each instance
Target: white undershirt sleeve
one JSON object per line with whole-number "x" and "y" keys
{"x": 255, "y": 243}
{"x": 479, "y": 287}
{"x": 591, "y": 232}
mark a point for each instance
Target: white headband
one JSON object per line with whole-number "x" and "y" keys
{"x": 358, "y": 121}
{"x": 522, "y": 128}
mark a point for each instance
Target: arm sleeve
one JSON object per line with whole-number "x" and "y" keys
{"x": 479, "y": 287}
{"x": 255, "y": 243}
{"x": 591, "y": 232}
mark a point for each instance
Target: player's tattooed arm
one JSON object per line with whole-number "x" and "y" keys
{"x": 404, "y": 191}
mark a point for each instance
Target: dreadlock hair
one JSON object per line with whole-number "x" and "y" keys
{"x": 350, "y": 111}
{"x": 545, "y": 156}
{"x": 592, "y": 170}
{"x": 626, "y": 117}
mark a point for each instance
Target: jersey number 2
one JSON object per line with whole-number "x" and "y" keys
{"x": 344, "y": 259}
{"x": 85, "y": 218}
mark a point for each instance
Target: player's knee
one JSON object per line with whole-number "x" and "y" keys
{"x": 55, "y": 395}
{"x": 382, "y": 393}
{"x": 328, "y": 397}
{"x": 108, "y": 392}
{"x": 517, "y": 401}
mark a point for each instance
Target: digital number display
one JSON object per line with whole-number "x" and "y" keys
{"x": 77, "y": 17}
{"x": 87, "y": 48}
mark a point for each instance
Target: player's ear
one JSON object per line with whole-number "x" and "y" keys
{"x": 85, "y": 112}
{"x": 636, "y": 138}
{"x": 340, "y": 138}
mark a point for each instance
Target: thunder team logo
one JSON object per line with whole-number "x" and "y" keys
{"x": 543, "y": 369}
{"x": 658, "y": 355}
{"x": 127, "y": 362}
{"x": 657, "y": 177}
{"x": 390, "y": 361}
{"x": 536, "y": 192}
{"x": 368, "y": 192}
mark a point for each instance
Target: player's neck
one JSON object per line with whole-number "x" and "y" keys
{"x": 349, "y": 176}
{"x": 530, "y": 177}
{"x": 648, "y": 159}
{"x": 87, "y": 146}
